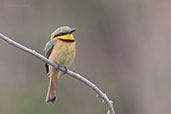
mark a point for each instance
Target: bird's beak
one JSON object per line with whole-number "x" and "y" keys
{"x": 72, "y": 30}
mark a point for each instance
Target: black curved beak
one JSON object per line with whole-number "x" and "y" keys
{"x": 72, "y": 30}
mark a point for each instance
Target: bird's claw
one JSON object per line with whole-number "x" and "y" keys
{"x": 66, "y": 70}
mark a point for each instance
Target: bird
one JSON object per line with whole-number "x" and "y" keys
{"x": 60, "y": 49}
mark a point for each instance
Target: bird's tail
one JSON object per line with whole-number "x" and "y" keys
{"x": 51, "y": 94}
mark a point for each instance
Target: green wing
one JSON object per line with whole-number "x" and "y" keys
{"x": 48, "y": 49}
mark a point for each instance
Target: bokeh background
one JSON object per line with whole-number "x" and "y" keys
{"x": 123, "y": 46}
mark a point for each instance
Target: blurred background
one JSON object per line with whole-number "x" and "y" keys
{"x": 123, "y": 46}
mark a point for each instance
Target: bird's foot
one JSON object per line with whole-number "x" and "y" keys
{"x": 66, "y": 70}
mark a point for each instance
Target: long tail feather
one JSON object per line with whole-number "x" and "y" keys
{"x": 51, "y": 94}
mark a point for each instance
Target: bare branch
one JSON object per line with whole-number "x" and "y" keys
{"x": 102, "y": 95}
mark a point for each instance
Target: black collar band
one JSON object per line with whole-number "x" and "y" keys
{"x": 66, "y": 40}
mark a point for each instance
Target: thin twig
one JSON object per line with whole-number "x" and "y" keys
{"x": 102, "y": 95}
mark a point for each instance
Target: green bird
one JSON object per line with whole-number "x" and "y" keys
{"x": 61, "y": 50}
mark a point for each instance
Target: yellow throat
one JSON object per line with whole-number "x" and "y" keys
{"x": 65, "y": 37}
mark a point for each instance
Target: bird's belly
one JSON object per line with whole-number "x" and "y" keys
{"x": 65, "y": 58}
{"x": 63, "y": 55}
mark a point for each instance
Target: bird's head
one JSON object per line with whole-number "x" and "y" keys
{"x": 64, "y": 33}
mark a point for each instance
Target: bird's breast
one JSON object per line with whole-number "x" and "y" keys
{"x": 63, "y": 53}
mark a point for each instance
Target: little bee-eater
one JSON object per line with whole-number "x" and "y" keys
{"x": 61, "y": 50}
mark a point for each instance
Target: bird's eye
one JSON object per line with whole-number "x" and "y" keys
{"x": 60, "y": 34}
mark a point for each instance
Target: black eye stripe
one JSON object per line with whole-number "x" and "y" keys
{"x": 56, "y": 35}
{"x": 60, "y": 34}
{"x": 63, "y": 34}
